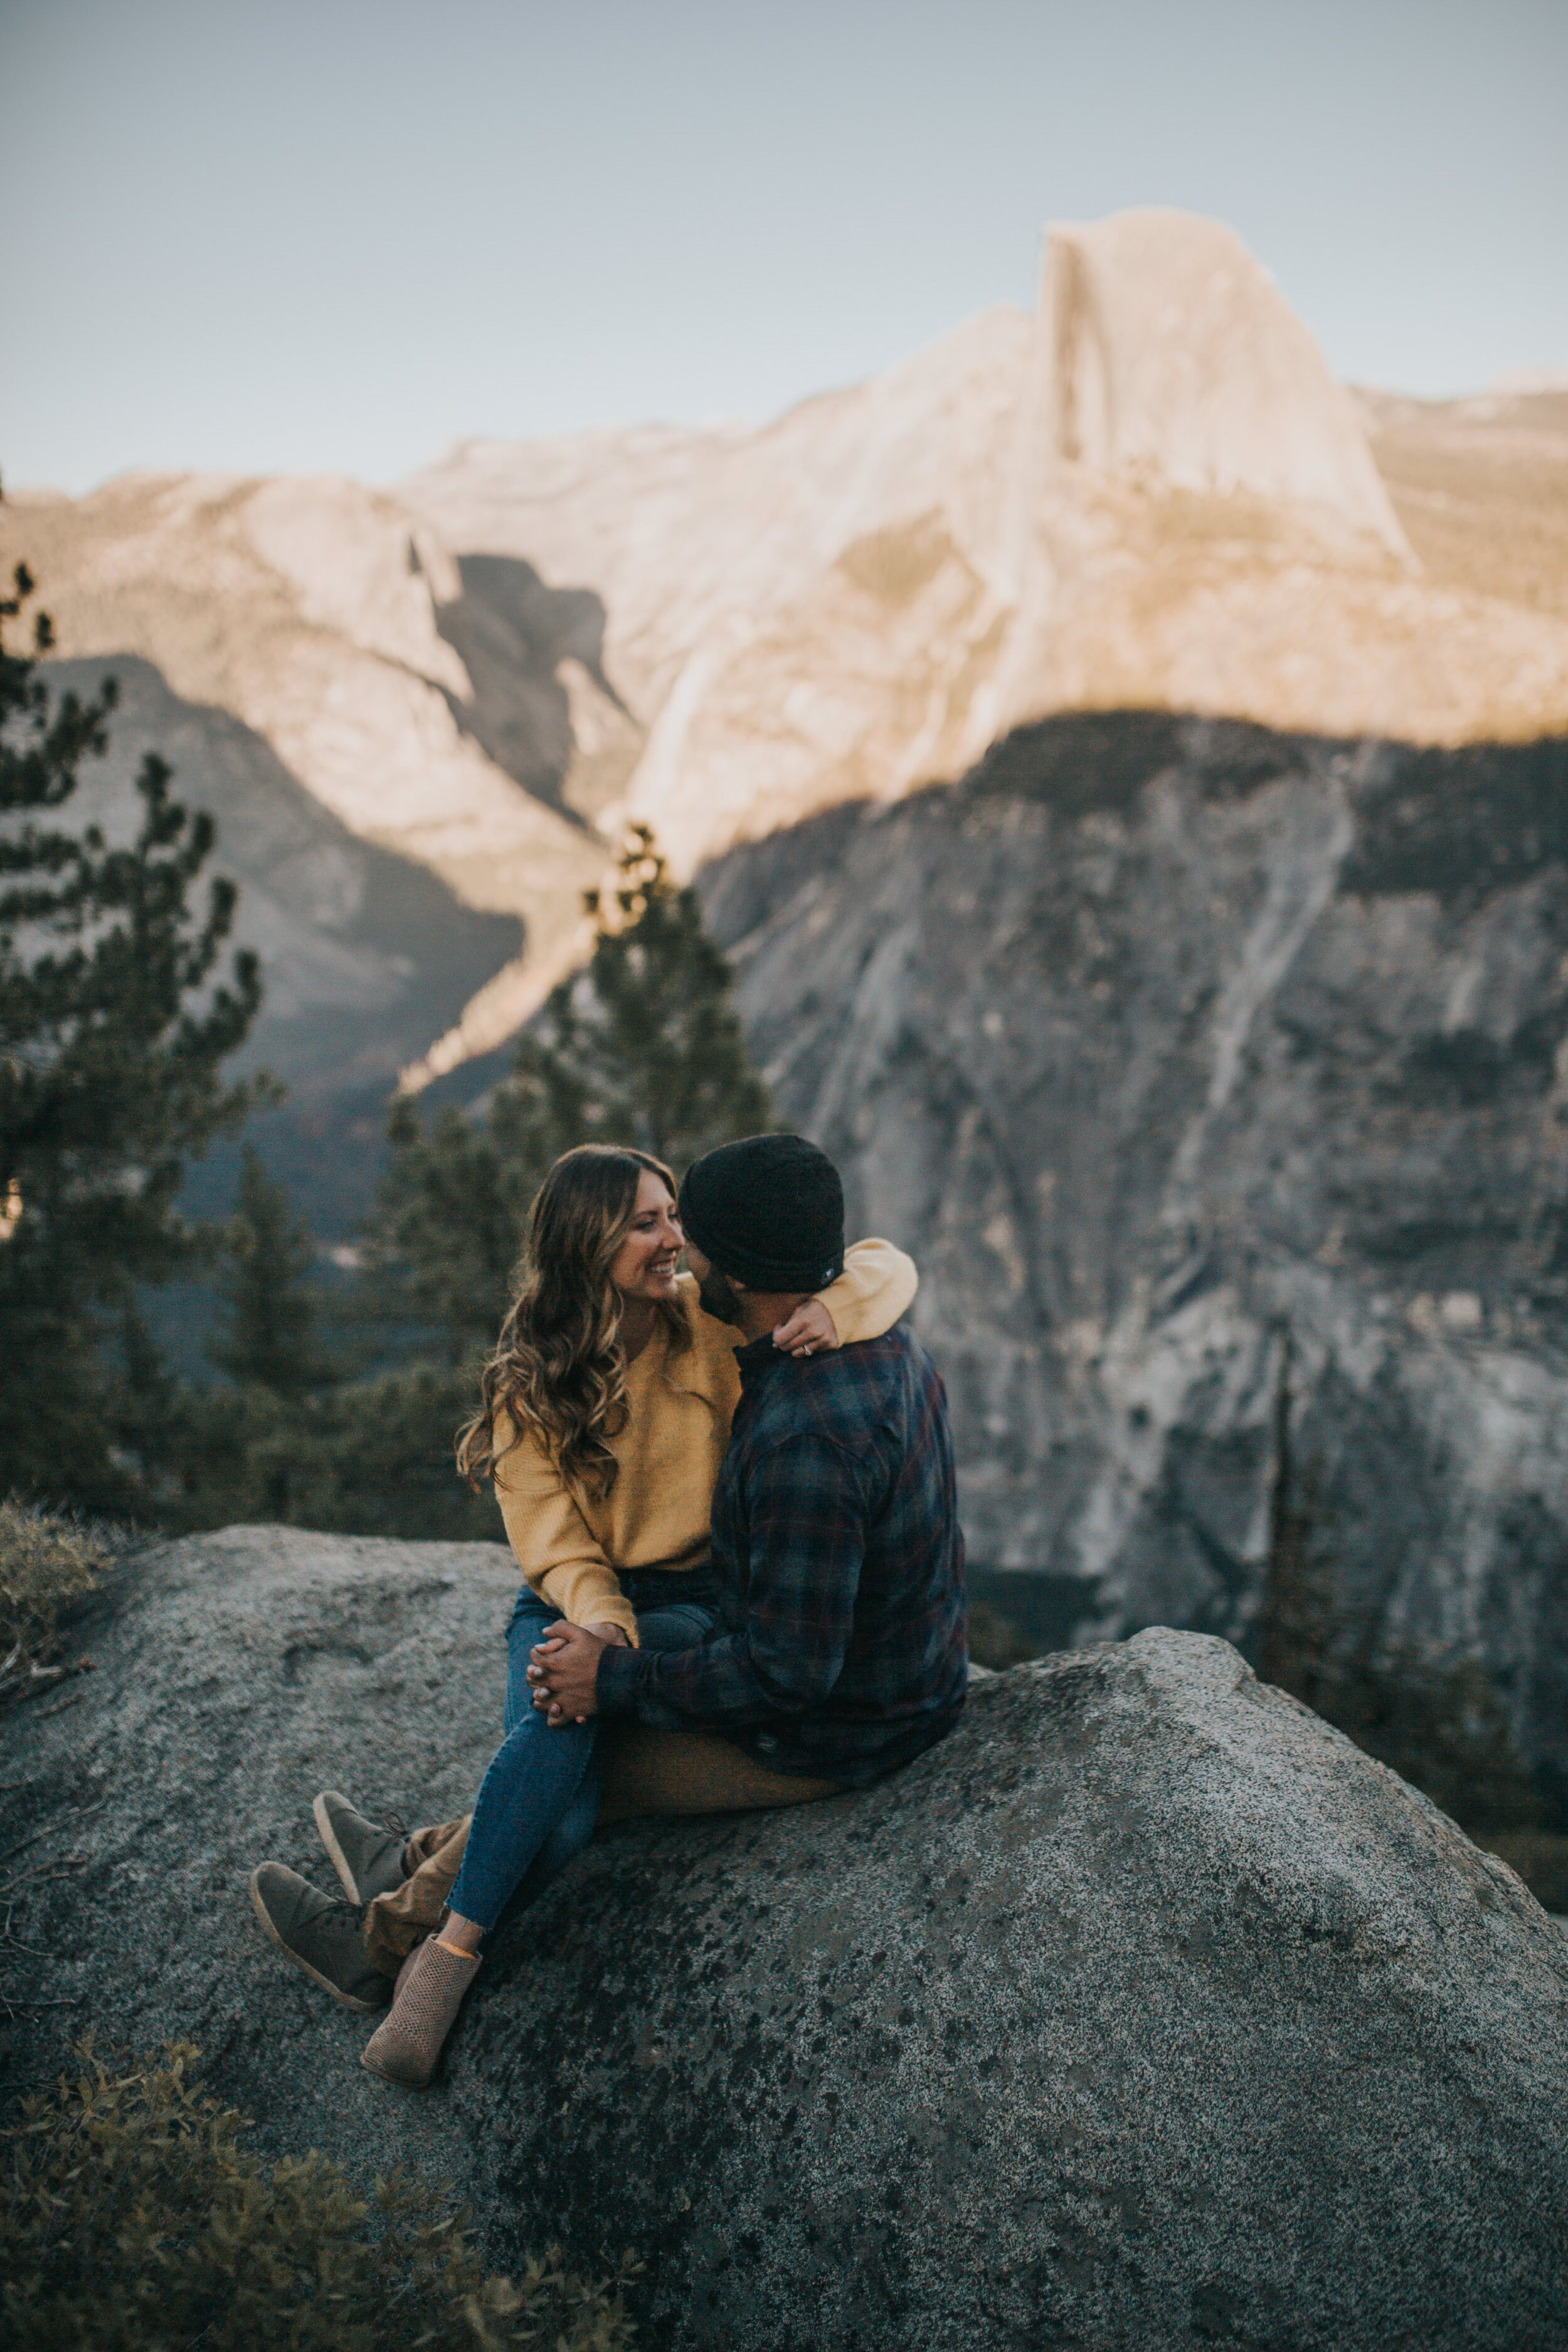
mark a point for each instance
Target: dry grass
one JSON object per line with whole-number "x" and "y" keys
{"x": 45, "y": 1564}
{"x": 136, "y": 2220}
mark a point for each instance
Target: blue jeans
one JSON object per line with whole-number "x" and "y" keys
{"x": 540, "y": 1798}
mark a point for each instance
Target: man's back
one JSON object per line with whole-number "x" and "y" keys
{"x": 837, "y": 1552}
{"x": 848, "y": 1452}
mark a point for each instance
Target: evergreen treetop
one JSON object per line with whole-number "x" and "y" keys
{"x": 268, "y": 1332}
{"x": 644, "y": 1046}
{"x": 650, "y": 1031}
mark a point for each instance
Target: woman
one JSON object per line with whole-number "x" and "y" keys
{"x": 605, "y": 1416}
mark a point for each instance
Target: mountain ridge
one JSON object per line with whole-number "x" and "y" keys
{"x": 1149, "y": 492}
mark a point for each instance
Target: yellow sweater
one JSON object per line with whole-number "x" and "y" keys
{"x": 655, "y": 1515}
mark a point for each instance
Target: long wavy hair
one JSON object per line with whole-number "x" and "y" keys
{"x": 559, "y": 1372}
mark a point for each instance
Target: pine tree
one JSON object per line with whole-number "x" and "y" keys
{"x": 112, "y": 1032}
{"x": 269, "y": 1331}
{"x": 250, "y": 1446}
{"x": 650, "y": 1035}
{"x": 644, "y": 1046}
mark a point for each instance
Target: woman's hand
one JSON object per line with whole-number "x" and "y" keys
{"x": 810, "y": 1331}
{"x": 564, "y": 1669}
{"x": 543, "y": 1654}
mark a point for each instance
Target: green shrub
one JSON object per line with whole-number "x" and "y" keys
{"x": 1437, "y": 1719}
{"x": 44, "y": 1564}
{"x": 135, "y": 2221}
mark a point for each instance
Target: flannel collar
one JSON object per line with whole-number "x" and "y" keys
{"x": 758, "y": 1358}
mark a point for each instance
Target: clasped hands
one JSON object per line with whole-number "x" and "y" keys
{"x": 564, "y": 1670}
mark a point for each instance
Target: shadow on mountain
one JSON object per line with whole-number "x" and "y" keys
{"x": 511, "y": 633}
{"x": 365, "y": 956}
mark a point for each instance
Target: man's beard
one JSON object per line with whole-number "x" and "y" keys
{"x": 717, "y": 1296}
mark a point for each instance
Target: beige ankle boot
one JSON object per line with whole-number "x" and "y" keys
{"x": 430, "y": 1988}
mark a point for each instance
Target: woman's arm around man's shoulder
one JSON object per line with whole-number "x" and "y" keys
{"x": 877, "y": 1285}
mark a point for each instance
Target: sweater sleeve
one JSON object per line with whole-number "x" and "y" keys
{"x": 875, "y": 1288}
{"x": 559, "y": 1556}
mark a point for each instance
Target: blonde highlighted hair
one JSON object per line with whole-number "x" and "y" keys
{"x": 558, "y": 1372}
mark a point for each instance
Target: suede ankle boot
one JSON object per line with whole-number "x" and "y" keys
{"x": 430, "y": 1987}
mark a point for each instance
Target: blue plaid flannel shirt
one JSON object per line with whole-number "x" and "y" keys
{"x": 841, "y": 1650}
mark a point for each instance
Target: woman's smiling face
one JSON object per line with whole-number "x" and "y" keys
{"x": 643, "y": 1266}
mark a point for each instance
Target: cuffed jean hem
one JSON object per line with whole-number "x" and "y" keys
{"x": 644, "y": 1772}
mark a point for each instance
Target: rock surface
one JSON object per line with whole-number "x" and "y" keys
{"x": 1171, "y": 358}
{"x": 1144, "y": 2011}
{"x": 1217, "y": 1080}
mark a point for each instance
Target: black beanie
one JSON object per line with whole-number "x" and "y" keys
{"x": 768, "y": 1211}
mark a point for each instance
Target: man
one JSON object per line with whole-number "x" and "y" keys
{"x": 841, "y": 1650}
{"x": 835, "y": 1543}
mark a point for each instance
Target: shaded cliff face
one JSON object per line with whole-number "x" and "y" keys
{"x": 1217, "y": 1078}
{"x": 320, "y": 619}
{"x": 365, "y": 955}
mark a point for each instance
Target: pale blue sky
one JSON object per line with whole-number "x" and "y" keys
{"x": 339, "y": 235}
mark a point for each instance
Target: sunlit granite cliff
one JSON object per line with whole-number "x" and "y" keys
{"x": 1150, "y": 493}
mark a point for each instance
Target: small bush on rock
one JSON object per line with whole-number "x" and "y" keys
{"x": 135, "y": 2221}
{"x": 44, "y": 1563}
